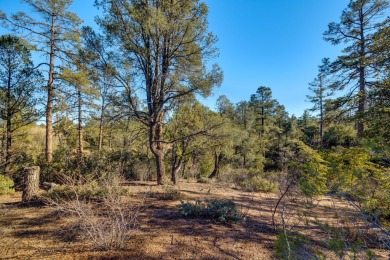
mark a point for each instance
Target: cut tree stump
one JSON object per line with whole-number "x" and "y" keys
{"x": 31, "y": 183}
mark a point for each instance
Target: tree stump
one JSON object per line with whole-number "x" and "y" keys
{"x": 31, "y": 183}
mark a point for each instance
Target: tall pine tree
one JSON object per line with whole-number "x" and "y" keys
{"x": 168, "y": 43}
{"x": 54, "y": 31}
{"x": 359, "y": 21}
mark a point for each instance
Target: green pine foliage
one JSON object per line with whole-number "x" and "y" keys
{"x": 6, "y": 185}
{"x": 137, "y": 113}
{"x": 353, "y": 172}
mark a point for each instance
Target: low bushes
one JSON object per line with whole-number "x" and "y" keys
{"x": 258, "y": 183}
{"x": 6, "y": 185}
{"x": 89, "y": 190}
{"x": 252, "y": 180}
{"x": 169, "y": 193}
{"x": 223, "y": 211}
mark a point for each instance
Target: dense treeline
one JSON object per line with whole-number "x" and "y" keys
{"x": 125, "y": 100}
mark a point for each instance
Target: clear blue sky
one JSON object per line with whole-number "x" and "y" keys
{"x": 270, "y": 43}
{"x": 277, "y": 44}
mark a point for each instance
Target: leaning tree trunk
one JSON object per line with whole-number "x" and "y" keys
{"x": 175, "y": 172}
{"x": 31, "y": 183}
{"x": 177, "y": 163}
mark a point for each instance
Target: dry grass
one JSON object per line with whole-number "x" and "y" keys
{"x": 41, "y": 233}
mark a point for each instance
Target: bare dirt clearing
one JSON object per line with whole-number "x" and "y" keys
{"x": 35, "y": 232}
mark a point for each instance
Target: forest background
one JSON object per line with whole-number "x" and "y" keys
{"x": 125, "y": 99}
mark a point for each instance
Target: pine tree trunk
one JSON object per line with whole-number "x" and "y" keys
{"x": 80, "y": 124}
{"x": 100, "y": 133}
{"x": 160, "y": 168}
{"x": 262, "y": 121}
{"x": 362, "y": 101}
{"x": 8, "y": 145}
{"x": 2, "y": 157}
{"x": 110, "y": 136}
{"x": 217, "y": 159}
{"x": 8, "y": 141}
{"x": 101, "y": 124}
{"x": 50, "y": 97}
{"x": 173, "y": 162}
{"x": 31, "y": 183}
{"x": 175, "y": 173}
{"x": 321, "y": 119}
{"x": 362, "y": 78}
{"x": 183, "y": 171}
{"x": 156, "y": 147}
{"x": 177, "y": 163}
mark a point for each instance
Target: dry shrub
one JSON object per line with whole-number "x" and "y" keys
{"x": 192, "y": 173}
{"x": 109, "y": 221}
{"x": 251, "y": 180}
{"x": 228, "y": 174}
{"x": 258, "y": 183}
{"x": 87, "y": 189}
{"x": 143, "y": 172}
{"x": 108, "y": 225}
{"x": 169, "y": 193}
{"x": 203, "y": 180}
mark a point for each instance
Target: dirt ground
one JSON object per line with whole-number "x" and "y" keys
{"x": 40, "y": 232}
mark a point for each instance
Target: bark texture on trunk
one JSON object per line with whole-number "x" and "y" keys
{"x": 177, "y": 162}
{"x": 160, "y": 168}
{"x": 217, "y": 160}
{"x": 362, "y": 77}
{"x": 100, "y": 134}
{"x": 31, "y": 183}
{"x": 110, "y": 136}
{"x": 321, "y": 100}
{"x": 8, "y": 142}
{"x": 8, "y": 145}
{"x": 157, "y": 148}
{"x": 50, "y": 97}
{"x": 101, "y": 123}
{"x": 80, "y": 124}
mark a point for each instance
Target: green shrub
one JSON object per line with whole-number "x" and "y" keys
{"x": 203, "y": 180}
{"x": 290, "y": 245}
{"x": 187, "y": 209}
{"x": 353, "y": 173}
{"x": 223, "y": 211}
{"x": 6, "y": 185}
{"x": 340, "y": 135}
{"x": 258, "y": 183}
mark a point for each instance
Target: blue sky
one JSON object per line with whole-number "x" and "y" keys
{"x": 277, "y": 44}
